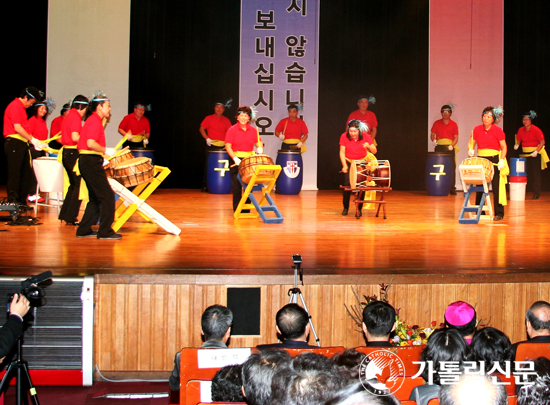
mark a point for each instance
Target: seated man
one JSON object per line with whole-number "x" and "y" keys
{"x": 473, "y": 389}
{"x": 293, "y": 326}
{"x": 537, "y": 324}
{"x": 462, "y": 316}
{"x": 216, "y": 328}
{"x": 378, "y": 323}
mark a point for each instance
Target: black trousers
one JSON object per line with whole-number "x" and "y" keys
{"x": 347, "y": 194}
{"x": 102, "y": 198}
{"x": 534, "y": 173}
{"x": 71, "y": 204}
{"x": 19, "y": 169}
{"x": 499, "y": 208}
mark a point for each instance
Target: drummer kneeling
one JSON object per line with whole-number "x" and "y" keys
{"x": 354, "y": 145}
{"x": 239, "y": 143}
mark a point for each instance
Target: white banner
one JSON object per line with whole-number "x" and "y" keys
{"x": 279, "y": 55}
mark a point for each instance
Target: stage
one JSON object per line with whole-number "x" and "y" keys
{"x": 151, "y": 286}
{"x": 421, "y": 236}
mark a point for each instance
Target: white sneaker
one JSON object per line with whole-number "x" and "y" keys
{"x": 31, "y": 198}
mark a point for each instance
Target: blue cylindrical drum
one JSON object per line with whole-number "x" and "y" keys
{"x": 292, "y": 176}
{"x": 144, "y": 152}
{"x": 218, "y": 178}
{"x": 518, "y": 167}
{"x": 439, "y": 173}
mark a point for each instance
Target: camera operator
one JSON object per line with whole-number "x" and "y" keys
{"x": 13, "y": 328}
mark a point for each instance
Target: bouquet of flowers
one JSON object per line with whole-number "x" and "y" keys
{"x": 407, "y": 335}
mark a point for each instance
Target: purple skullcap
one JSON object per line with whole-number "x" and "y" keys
{"x": 459, "y": 313}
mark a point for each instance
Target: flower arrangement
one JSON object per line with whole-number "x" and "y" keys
{"x": 407, "y": 335}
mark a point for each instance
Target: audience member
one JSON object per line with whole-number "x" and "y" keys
{"x": 444, "y": 345}
{"x": 357, "y": 395}
{"x": 537, "y": 324}
{"x": 293, "y": 327}
{"x": 462, "y": 316}
{"x": 227, "y": 383}
{"x": 378, "y": 323}
{"x": 348, "y": 362}
{"x": 537, "y": 393}
{"x": 258, "y": 372}
{"x": 216, "y": 328}
{"x": 473, "y": 389}
{"x": 494, "y": 349}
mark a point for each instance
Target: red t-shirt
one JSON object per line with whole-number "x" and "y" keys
{"x": 355, "y": 149}
{"x": 55, "y": 127}
{"x": 242, "y": 141}
{"x": 368, "y": 118}
{"x": 137, "y": 127}
{"x": 37, "y": 127}
{"x": 293, "y": 130}
{"x": 530, "y": 138}
{"x": 216, "y": 126}
{"x": 488, "y": 139}
{"x": 442, "y": 130}
{"x": 92, "y": 129}
{"x": 71, "y": 123}
{"x": 15, "y": 114}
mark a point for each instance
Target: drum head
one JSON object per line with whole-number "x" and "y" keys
{"x": 352, "y": 174}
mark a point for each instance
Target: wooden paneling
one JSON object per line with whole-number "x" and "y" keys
{"x": 139, "y": 327}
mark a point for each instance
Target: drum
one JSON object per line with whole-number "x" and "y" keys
{"x": 382, "y": 174}
{"x": 439, "y": 174}
{"x": 218, "y": 178}
{"x": 247, "y": 167}
{"x": 123, "y": 156}
{"x": 145, "y": 152}
{"x": 488, "y": 169}
{"x": 361, "y": 172}
{"x": 291, "y": 178}
{"x": 134, "y": 171}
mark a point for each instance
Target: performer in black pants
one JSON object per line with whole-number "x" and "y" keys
{"x": 91, "y": 147}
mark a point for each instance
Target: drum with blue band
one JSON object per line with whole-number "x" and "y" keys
{"x": 218, "y": 178}
{"x": 292, "y": 175}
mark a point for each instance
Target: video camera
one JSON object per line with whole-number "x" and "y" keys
{"x": 31, "y": 290}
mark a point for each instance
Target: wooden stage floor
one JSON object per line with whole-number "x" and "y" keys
{"x": 420, "y": 241}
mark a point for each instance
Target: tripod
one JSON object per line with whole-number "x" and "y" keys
{"x": 295, "y": 292}
{"x": 19, "y": 369}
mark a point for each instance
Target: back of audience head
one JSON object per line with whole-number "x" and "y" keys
{"x": 356, "y": 394}
{"x": 444, "y": 345}
{"x": 348, "y": 362}
{"x": 473, "y": 389}
{"x": 461, "y": 316}
{"x": 538, "y": 392}
{"x": 538, "y": 319}
{"x": 492, "y": 346}
{"x": 292, "y": 321}
{"x": 258, "y": 371}
{"x": 216, "y": 323}
{"x": 378, "y": 320}
{"x": 313, "y": 380}
{"x": 227, "y": 383}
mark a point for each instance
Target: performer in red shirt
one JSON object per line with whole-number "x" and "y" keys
{"x": 444, "y": 135}
{"x": 70, "y": 134}
{"x": 136, "y": 127}
{"x": 239, "y": 143}
{"x": 16, "y": 144}
{"x": 491, "y": 145}
{"x": 36, "y": 126}
{"x": 354, "y": 145}
{"x": 213, "y": 129}
{"x": 91, "y": 146}
{"x": 364, "y": 115}
{"x": 532, "y": 143}
{"x": 55, "y": 126}
{"x": 292, "y": 130}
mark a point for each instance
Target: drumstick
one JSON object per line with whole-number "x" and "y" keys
{"x": 53, "y": 138}
{"x": 118, "y": 153}
{"x": 118, "y": 145}
{"x": 50, "y": 150}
